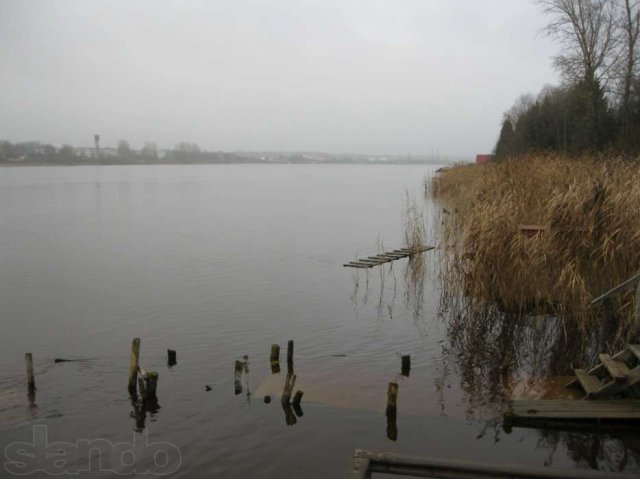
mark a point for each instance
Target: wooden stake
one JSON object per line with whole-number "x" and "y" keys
{"x": 392, "y": 397}
{"x": 290, "y": 351}
{"x": 239, "y": 367}
{"x": 31, "y": 379}
{"x": 275, "y": 353}
{"x": 288, "y": 388}
{"x": 406, "y": 365}
{"x": 151, "y": 384}
{"x": 297, "y": 398}
{"x": 171, "y": 358}
{"x": 275, "y": 358}
{"x": 134, "y": 363}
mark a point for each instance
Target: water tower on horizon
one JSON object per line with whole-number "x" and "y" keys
{"x": 96, "y": 142}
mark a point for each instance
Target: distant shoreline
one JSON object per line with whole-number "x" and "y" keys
{"x": 96, "y": 164}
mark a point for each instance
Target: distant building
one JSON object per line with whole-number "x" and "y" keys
{"x": 483, "y": 158}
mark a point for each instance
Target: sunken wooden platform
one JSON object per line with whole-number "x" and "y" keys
{"x": 365, "y": 463}
{"x": 573, "y": 414}
{"x": 370, "y": 262}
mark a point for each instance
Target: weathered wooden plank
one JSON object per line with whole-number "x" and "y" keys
{"x": 390, "y": 257}
{"x": 357, "y": 265}
{"x": 616, "y": 369}
{"x": 599, "y": 370}
{"x": 379, "y": 259}
{"x": 366, "y": 260}
{"x": 573, "y": 409}
{"x": 589, "y": 383}
{"x": 390, "y": 463}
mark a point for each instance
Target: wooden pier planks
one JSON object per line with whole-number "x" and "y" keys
{"x": 572, "y": 409}
{"x": 386, "y": 257}
{"x": 364, "y": 463}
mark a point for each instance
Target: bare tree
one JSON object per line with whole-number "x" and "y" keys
{"x": 587, "y": 31}
{"x": 629, "y": 24}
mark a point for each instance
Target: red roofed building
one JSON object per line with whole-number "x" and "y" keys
{"x": 483, "y": 158}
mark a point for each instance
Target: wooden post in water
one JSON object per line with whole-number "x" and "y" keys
{"x": 171, "y": 358}
{"x": 31, "y": 379}
{"x": 275, "y": 358}
{"x": 134, "y": 364}
{"x": 406, "y": 365}
{"x": 392, "y": 411}
{"x": 297, "y": 398}
{"x": 290, "y": 357}
{"x": 290, "y": 351}
{"x": 288, "y": 388}
{"x": 239, "y": 367}
{"x": 152, "y": 384}
{"x": 148, "y": 383}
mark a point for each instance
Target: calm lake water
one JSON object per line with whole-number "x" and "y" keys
{"x": 218, "y": 262}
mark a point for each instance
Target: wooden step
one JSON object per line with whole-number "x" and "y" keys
{"x": 358, "y": 265}
{"x": 617, "y": 369}
{"x": 379, "y": 259}
{"x": 370, "y": 262}
{"x": 590, "y": 384}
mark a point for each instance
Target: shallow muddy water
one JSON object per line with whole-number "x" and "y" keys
{"x": 218, "y": 262}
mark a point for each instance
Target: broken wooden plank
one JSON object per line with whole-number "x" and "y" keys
{"x": 616, "y": 369}
{"x": 589, "y": 383}
{"x": 357, "y": 265}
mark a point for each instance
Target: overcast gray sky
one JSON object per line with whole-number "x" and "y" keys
{"x": 316, "y": 75}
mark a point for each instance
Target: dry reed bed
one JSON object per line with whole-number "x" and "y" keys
{"x": 592, "y": 208}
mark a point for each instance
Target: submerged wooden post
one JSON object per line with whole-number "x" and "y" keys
{"x": 406, "y": 365}
{"x": 290, "y": 357}
{"x": 134, "y": 363}
{"x": 289, "y": 415}
{"x": 148, "y": 383}
{"x": 392, "y": 410}
{"x": 288, "y": 388}
{"x": 171, "y": 358}
{"x": 239, "y": 367}
{"x": 290, "y": 351}
{"x": 297, "y": 398}
{"x": 275, "y": 353}
{"x": 152, "y": 384}
{"x": 275, "y": 358}
{"x": 31, "y": 379}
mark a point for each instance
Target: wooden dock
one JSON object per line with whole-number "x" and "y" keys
{"x": 381, "y": 258}
{"x": 365, "y": 463}
{"x": 574, "y": 414}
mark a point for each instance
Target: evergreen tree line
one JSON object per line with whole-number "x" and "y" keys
{"x": 597, "y": 105}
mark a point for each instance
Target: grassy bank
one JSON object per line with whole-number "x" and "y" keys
{"x": 590, "y": 207}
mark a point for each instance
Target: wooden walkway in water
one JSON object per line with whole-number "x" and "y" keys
{"x": 381, "y": 258}
{"x": 365, "y": 463}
